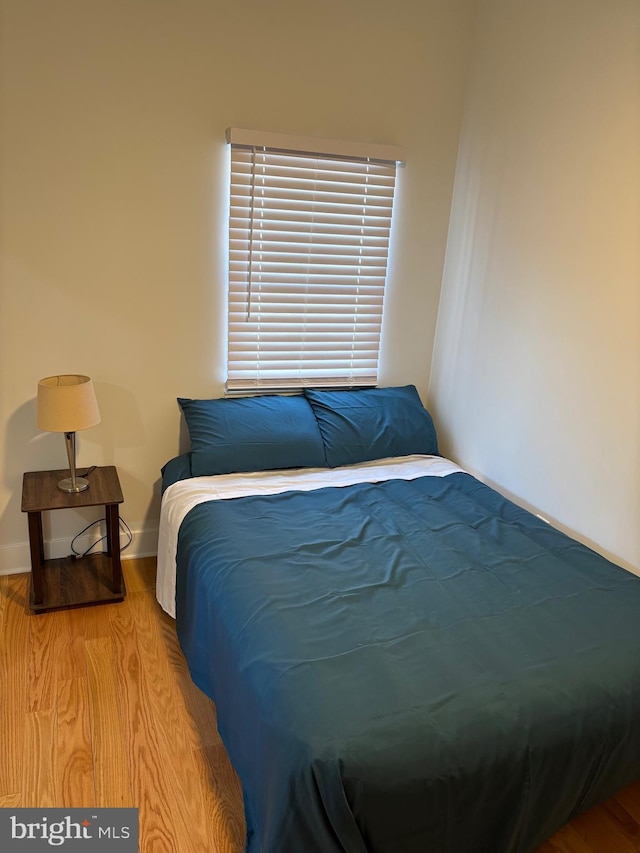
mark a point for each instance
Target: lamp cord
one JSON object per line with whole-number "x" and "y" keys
{"x": 123, "y": 526}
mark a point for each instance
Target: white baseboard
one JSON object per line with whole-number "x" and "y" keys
{"x": 17, "y": 558}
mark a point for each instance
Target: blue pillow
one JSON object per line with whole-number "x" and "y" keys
{"x": 251, "y": 434}
{"x": 357, "y": 426}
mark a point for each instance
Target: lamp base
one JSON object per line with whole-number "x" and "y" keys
{"x": 66, "y": 485}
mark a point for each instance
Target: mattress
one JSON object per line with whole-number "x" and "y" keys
{"x": 402, "y": 659}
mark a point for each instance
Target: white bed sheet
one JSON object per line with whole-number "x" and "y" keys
{"x": 183, "y": 496}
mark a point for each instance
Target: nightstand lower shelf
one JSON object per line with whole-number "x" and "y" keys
{"x": 81, "y": 582}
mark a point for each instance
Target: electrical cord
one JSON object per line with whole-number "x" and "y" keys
{"x": 123, "y": 526}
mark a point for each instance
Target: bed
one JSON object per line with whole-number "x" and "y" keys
{"x": 402, "y": 660}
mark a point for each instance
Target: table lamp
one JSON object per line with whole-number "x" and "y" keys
{"x": 66, "y": 404}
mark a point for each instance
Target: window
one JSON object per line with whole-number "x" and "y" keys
{"x": 308, "y": 246}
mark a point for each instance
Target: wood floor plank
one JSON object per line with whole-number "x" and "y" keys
{"x": 39, "y": 765}
{"x": 70, "y": 657}
{"x": 566, "y": 840}
{"x": 199, "y": 709}
{"x": 625, "y": 823}
{"x": 11, "y": 801}
{"x": 14, "y": 647}
{"x": 150, "y": 778}
{"x": 629, "y": 799}
{"x": 600, "y": 830}
{"x": 41, "y": 664}
{"x": 153, "y": 651}
{"x": 182, "y": 798}
{"x": 224, "y": 806}
{"x": 140, "y": 574}
{"x": 15, "y": 592}
{"x": 112, "y": 772}
{"x": 92, "y": 623}
{"x": 75, "y": 783}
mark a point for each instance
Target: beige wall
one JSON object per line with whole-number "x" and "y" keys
{"x": 112, "y": 200}
{"x": 536, "y": 373}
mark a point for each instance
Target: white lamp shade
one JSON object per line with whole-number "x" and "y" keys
{"x": 67, "y": 403}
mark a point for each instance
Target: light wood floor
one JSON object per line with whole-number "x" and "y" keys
{"x": 97, "y": 709}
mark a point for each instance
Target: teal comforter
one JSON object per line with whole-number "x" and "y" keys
{"x": 409, "y": 667}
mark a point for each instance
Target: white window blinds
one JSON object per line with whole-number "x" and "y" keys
{"x": 308, "y": 247}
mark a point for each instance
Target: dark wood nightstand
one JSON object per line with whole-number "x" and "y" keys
{"x": 73, "y": 582}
